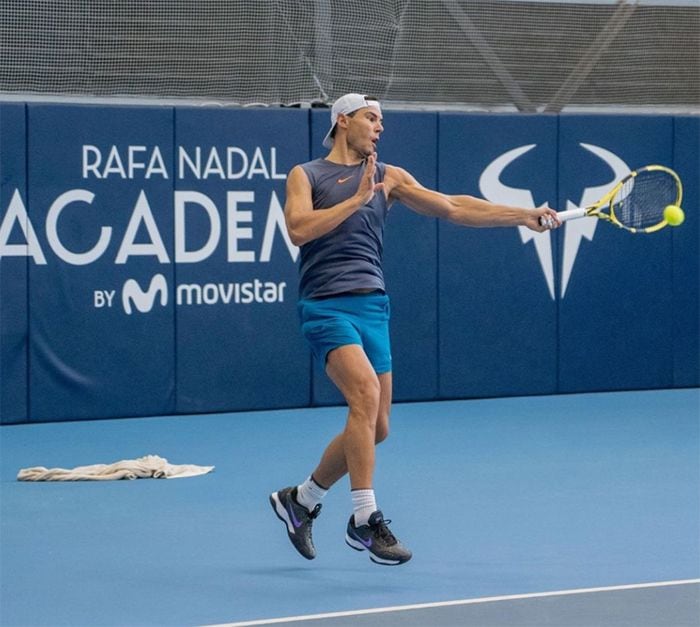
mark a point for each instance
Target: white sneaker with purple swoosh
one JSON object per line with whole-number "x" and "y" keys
{"x": 376, "y": 538}
{"x": 297, "y": 518}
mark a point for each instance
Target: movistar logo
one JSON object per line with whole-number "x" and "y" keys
{"x": 494, "y": 190}
{"x": 133, "y": 295}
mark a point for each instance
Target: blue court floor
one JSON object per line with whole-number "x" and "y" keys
{"x": 504, "y": 499}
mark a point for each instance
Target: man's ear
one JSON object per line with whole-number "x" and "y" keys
{"x": 342, "y": 121}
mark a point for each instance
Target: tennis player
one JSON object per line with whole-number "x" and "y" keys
{"x": 335, "y": 211}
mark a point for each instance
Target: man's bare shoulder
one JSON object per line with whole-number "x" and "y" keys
{"x": 298, "y": 175}
{"x": 395, "y": 172}
{"x": 397, "y": 179}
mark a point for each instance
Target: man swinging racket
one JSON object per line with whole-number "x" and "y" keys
{"x": 335, "y": 211}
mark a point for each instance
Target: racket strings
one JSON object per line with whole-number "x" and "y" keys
{"x": 641, "y": 201}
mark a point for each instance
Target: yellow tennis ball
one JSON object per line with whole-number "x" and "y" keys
{"x": 674, "y": 215}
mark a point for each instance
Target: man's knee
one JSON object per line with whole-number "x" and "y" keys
{"x": 364, "y": 399}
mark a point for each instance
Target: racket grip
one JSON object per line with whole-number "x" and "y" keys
{"x": 570, "y": 214}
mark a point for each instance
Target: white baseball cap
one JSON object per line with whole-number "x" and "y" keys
{"x": 347, "y": 104}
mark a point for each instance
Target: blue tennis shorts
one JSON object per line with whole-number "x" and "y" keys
{"x": 363, "y": 319}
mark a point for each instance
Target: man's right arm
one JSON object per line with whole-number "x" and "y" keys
{"x": 303, "y": 223}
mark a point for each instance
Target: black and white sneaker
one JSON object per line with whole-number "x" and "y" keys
{"x": 297, "y": 518}
{"x": 376, "y": 538}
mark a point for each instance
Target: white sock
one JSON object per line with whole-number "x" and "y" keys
{"x": 364, "y": 504}
{"x": 310, "y": 494}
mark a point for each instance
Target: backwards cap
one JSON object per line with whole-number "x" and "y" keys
{"x": 347, "y": 104}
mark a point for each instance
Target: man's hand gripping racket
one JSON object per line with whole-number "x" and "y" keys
{"x": 645, "y": 201}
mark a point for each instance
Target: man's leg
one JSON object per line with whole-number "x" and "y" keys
{"x": 368, "y": 398}
{"x": 333, "y": 465}
{"x": 352, "y": 372}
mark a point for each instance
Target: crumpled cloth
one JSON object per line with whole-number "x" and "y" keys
{"x": 148, "y": 467}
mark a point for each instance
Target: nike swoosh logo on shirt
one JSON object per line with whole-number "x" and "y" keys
{"x": 346, "y": 179}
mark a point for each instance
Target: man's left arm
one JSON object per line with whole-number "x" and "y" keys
{"x": 462, "y": 209}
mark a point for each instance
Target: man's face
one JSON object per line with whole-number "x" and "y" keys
{"x": 364, "y": 127}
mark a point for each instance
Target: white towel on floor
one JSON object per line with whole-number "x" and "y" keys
{"x": 150, "y": 466}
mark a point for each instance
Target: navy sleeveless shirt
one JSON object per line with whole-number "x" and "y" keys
{"x": 350, "y": 256}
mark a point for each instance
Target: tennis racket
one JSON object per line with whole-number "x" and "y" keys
{"x": 637, "y": 202}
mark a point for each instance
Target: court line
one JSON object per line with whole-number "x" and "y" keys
{"x": 475, "y": 601}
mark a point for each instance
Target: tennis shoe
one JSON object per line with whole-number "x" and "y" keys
{"x": 297, "y": 518}
{"x": 376, "y": 538}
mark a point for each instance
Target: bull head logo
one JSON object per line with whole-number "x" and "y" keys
{"x": 493, "y": 189}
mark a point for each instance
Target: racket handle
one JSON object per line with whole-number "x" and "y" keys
{"x": 570, "y": 214}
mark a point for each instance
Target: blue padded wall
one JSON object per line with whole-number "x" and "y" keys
{"x": 14, "y": 316}
{"x": 686, "y": 256}
{"x": 497, "y": 325}
{"x": 88, "y": 357}
{"x": 611, "y": 317}
{"x": 161, "y": 279}
{"x": 245, "y": 352}
{"x": 411, "y": 271}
